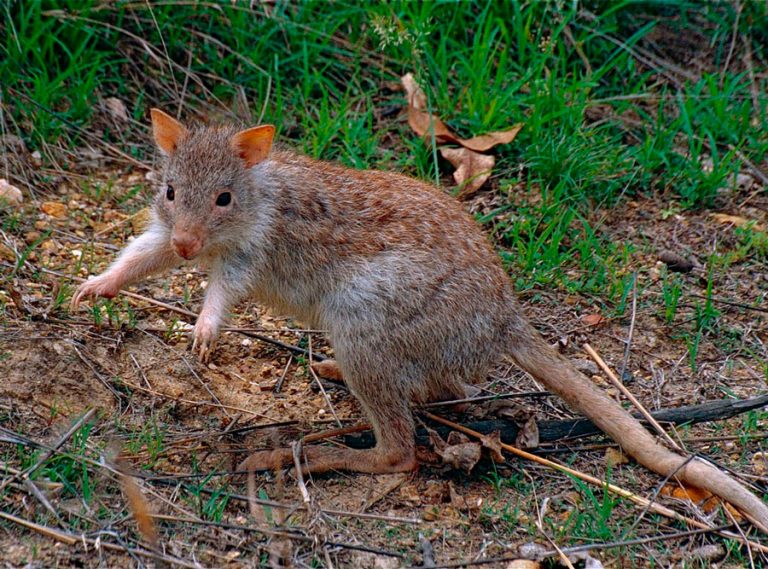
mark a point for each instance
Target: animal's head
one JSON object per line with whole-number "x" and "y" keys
{"x": 207, "y": 195}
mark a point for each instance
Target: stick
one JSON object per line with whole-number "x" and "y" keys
{"x": 24, "y": 474}
{"x": 628, "y": 394}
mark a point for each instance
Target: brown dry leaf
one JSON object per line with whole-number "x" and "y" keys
{"x": 702, "y": 498}
{"x": 421, "y": 121}
{"x": 463, "y": 456}
{"x": 487, "y": 141}
{"x": 435, "y": 492}
{"x": 593, "y": 319}
{"x": 137, "y": 503}
{"x": 614, "y": 457}
{"x": 418, "y": 118}
{"x": 410, "y": 493}
{"x": 54, "y": 209}
{"x": 676, "y": 262}
{"x": 492, "y": 442}
{"x": 6, "y": 253}
{"x": 734, "y": 220}
{"x": 457, "y": 438}
{"x": 472, "y": 169}
{"x": 9, "y": 194}
{"x": 116, "y": 108}
{"x": 467, "y": 503}
{"x": 528, "y": 436}
{"x": 760, "y": 463}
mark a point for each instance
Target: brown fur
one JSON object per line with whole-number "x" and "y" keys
{"x": 415, "y": 300}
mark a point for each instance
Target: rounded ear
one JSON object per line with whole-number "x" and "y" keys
{"x": 166, "y": 130}
{"x": 253, "y": 145}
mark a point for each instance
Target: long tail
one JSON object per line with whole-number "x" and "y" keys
{"x": 536, "y": 357}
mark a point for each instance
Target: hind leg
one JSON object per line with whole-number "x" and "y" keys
{"x": 394, "y": 451}
{"x": 387, "y": 410}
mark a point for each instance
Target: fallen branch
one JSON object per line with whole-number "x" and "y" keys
{"x": 550, "y": 431}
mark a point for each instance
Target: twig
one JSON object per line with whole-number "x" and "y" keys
{"x": 72, "y": 539}
{"x": 24, "y": 474}
{"x": 628, "y": 394}
{"x": 279, "y": 384}
{"x": 35, "y": 491}
{"x": 58, "y": 535}
{"x": 628, "y": 343}
{"x": 296, "y": 449}
{"x": 730, "y": 303}
{"x": 320, "y": 384}
{"x": 314, "y": 437}
{"x": 273, "y": 504}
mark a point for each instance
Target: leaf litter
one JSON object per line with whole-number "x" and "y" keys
{"x": 472, "y": 166}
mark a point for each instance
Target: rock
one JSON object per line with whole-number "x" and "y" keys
{"x": 9, "y": 194}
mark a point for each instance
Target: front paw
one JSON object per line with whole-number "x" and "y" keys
{"x": 105, "y": 286}
{"x": 205, "y": 336}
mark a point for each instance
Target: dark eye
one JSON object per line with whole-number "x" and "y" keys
{"x": 224, "y": 199}
{"x": 169, "y": 193}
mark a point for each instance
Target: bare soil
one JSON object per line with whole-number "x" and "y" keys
{"x": 175, "y": 416}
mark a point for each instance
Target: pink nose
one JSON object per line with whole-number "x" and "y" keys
{"x": 187, "y": 246}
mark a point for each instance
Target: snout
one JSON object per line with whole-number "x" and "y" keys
{"x": 186, "y": 245}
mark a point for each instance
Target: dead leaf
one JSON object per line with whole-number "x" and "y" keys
{"x": 116, "y": 108}
{"x": 410, "y": 493}
{"x": 614, "y": 457}
{"x": 533, "y": 550}
{"x": 702, "y": 498}
{"x": 472, "y": 169}
{"x": 528, "y": 436}
{"x": 468, "y": 503}
{"x": 420, "y": 120}
{"x": 6, "y": 253}
{"x": 760, "y": 463}
{"x": 463, "y": 456}
{"x": 54, "y": 209}
{"x": 734, "y": 220}
{"x": 593, "y": 319}
{"x": 9, "y": 194}
{"x": 435, "y": 492}
{"x": 457, "y": 438}
{"x": 485, "y": 142}
{"x": 708, "y": 552}
{"x": 425, "y": 123}
{"x": 492, "y": 442}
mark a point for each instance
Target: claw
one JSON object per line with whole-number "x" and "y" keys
{"x": 203, "y": 343}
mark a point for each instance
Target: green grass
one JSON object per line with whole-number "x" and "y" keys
{"x": 322, "y": 74}
{"x": 607, "y": 119}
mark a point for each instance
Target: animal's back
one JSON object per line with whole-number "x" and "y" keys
{"x": 402, "y": 277}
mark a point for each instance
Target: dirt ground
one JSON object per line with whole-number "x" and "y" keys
{"x": 182, "y": 424}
